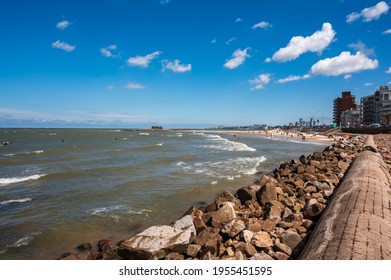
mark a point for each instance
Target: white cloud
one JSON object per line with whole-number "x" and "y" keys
{"x": 268, "y": 59}
{"x": 107, "y": 52}
{"x": 213, "y": 41}
{"x": 369, "y": 14}
{"x": 63, "y": 24}
{"x": 388, "y": 31}
{"x": 238, "y": 57}
{"x": 262, "y": 24}
{"x": 345, "y": 63}
{"x": 63, "y": 46}
{"x": 143, "y": 61}
{"x": 348, "y": 76}
{"x": 260, "y": 81}
{"x": 360, "y": 46}
{"x": 368, "y": 84}
{"x": 230, "y": 40}
{"x": 110, "y": 87}
{"x": 164, "y": 2}
{"x": 389, "y": 70}
{"x": 175, "y": 66}
{"x": 292, "y": 78}
{"x": 298, "y": 45}
{"x": 134, "y": 86}
{"x": 238, "y": 20}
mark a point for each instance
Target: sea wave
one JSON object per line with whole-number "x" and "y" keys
{"x": 8, "y": 181}
{"x": 223, "y": 144}
{"x": 34, "y": 152}
{"x": 144, "y": 133}
{"x": 228, "y": 169}
{"x": 24, "y": 241}
{"x": 11, "y": 201}
{"x": 116, "y": 211}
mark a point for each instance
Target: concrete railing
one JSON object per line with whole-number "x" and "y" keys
{"x": 357, "y": 222}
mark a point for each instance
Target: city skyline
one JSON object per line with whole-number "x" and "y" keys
{"x": 187, "y": 63}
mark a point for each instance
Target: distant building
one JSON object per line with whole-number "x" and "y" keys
{"x": 301, "y": 122}
{"x": 351, "y": 118}
{"x": 340, "y": 104}
{"x": 256, "y": 126}
{"x": 375, "y": 107}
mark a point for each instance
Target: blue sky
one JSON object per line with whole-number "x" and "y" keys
{"x": 187, "y": 63}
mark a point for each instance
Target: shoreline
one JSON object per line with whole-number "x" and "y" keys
{"x": 256, "y": 222}
{"x": 277, "y": 134}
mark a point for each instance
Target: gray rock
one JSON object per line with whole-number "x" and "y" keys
{"x": 291, "y": 238}
{"x": 149, "y": 242}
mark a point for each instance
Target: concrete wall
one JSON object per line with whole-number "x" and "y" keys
{"x": 357, "y": 222}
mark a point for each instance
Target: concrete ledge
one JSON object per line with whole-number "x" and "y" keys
{"x": 357, "y": 222}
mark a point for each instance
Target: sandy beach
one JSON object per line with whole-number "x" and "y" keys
{"x": 279, "y": 134}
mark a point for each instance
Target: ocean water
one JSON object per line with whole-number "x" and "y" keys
{"x": 63, "y": 187}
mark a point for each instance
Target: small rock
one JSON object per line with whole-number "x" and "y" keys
{"x": 174, "y": 256}
{"x": 234, "y": 227}
{"x": 249, "y": 250}
{"x": 291, "y": 238}
{"x": 262, "y": 240}
{"x": 192, "y": 250}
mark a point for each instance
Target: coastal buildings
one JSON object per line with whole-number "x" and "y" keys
{"x": 351, "y": 118}
{"x": 341, "y": 104}
{"x": 376, "y": 108}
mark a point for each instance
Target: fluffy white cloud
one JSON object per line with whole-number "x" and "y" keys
{"x": 143, "y": 61}
{"x": 238, "y": 20}
{"x": 345, "y": 63}
{"x": 388, "y": 31}
{"x": 368, "y": 84}
{"x": 262, "y": 24}
{"x": 107, "y": 52}
{"x": 389, "y": 70}
{"x": 298, "y": 45}
{"x": 63, "y": 46}
{"x": 63, "y": 24}
{"x": 134, "y": 86}
{"x": 260, "y": 81}
{"x": 238, "y": 57}
{"x": 369, "y": 14}
{"x": 213, "y": 41}
{"x": 175, "y": 66}
{"x": 292, "y": 78}
{"x": 164, "y": 2}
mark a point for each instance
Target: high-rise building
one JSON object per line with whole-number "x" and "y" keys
{"x": 375, "y": 107}
{"x": 340, "y": 104}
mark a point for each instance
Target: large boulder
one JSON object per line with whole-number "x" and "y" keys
{"x": 147, "y": 244}
{"x": 185, "y": 223}
{"x": 222, "y": 215}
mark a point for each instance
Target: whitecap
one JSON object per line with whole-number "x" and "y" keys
{"x": 24, "y": 241}
{"x": 8, "y": 181}
{"x": 223, "y": 144}
{"x": 35, "y": 152}
{"x": 159, "y": 144}
{"x": 224, "y": 169}
{"x": 11, "y": 201}
{"x": 181, "y": 163}
{"x": 143, "y": 133}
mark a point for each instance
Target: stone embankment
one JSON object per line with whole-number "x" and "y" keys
{"x": 357, "y": 223}
{"x": 273, "y": 218}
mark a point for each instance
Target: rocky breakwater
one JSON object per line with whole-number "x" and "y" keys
{"x": 269, "y": 219}
{"x": 383, "y": 143}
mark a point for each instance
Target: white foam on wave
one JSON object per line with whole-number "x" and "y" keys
{"x": 24, "y": 241}
{"x": 228, "y": 169}
{"x": 223, "y": 144}
{"x": 116, "y": 211}
{"x": 159, "y": 144}
{"x": 11, "y": 201}
{"x": 8, "y": 181}
{"x": 144, "y": 133}
{"x": 35, "y": 152}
